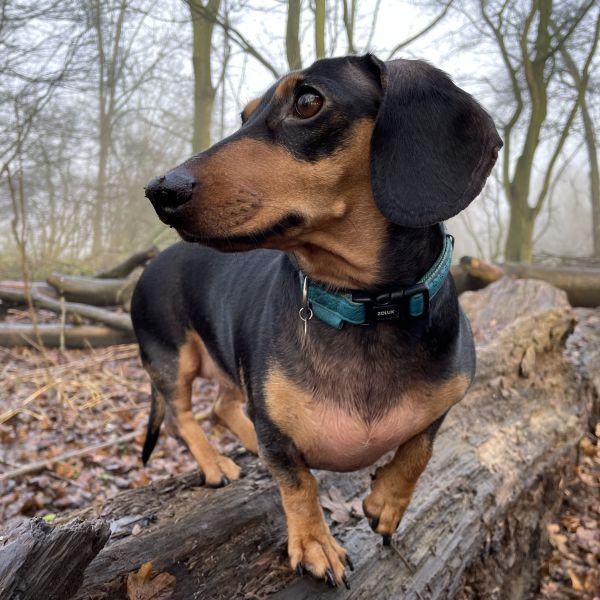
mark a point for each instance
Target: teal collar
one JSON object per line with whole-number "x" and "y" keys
{"x": 361, "y": 308}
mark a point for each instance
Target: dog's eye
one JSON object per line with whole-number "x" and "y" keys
{"x": 308, "y": 105}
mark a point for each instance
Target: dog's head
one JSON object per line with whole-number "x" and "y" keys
{"x": 328, "y": 157}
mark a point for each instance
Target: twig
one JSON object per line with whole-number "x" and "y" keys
{"x": 47, "y": 463}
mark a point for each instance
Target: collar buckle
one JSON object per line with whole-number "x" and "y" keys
{"x": 412, "y": 301}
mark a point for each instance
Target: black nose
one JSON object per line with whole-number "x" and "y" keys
{"x": 170, "y": 191}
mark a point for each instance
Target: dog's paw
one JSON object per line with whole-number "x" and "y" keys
{"x": 384, "y": 510}
{"x": 319, "y": 554}
{"x": 221, "y": 472}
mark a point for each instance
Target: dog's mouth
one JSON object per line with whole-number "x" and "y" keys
{"x": 268, "y": 237}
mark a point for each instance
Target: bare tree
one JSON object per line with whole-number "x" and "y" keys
{"x": 581, "y": 81}
{"x": 203, "y": 21}
{"x": 529, "y": 50}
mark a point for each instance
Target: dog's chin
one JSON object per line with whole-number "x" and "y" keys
{"x": 279, "y": 236}
{"x": 222, "y": 244}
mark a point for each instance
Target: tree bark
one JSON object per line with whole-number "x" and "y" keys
{"x": 476, "y": 523}
{"x": 75, "y": 336}
{"x": 124, "y": 269}
{"x": 292, "y": 35}
{"x": 38, "y": 560}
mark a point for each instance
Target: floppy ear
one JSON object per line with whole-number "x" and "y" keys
{"x": 433, "y": 145}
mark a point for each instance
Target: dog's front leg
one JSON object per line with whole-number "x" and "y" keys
{"x": 394, "y": 483}
{"x": 310, "y": 543}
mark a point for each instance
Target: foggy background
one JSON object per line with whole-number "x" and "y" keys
{"x": 98, "y": 97}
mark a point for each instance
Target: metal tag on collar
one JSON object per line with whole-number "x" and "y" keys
{"x": 305, "y": 313}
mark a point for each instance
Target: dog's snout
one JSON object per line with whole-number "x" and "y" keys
{"x": 170, "y": 191}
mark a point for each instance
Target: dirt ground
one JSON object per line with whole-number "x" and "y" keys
{"x": 55, "y": 403}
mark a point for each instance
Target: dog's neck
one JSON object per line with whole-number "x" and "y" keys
{"x": 405, "y": 255}
{"x": 408, "y": 254}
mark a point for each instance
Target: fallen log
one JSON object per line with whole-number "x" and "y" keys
{"x": 472, "y": 274}
{"x": 582, "y": 284}
{"x": 75, "y": 336}
{"x": 122, "y": 322}
{"x": 475, "y": 525}
{"x": 39, "y": 286}
{"x": 123, "y": 269}
{"x": 38, "y": 560}
{"x": 90, "y": 290}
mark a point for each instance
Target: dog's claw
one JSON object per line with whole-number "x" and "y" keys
{"x": 330, "y": 579}
{"x": 299, "y": 571}
{"x": 374, "y": 523}
{"x": 345, "y": 580}
{"x": 349, "y": 562}
{"x": 219, "y": 484}
{"x": 387, "y": 540}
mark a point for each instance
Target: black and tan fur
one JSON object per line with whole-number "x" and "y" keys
{"x": 352, "y": 195}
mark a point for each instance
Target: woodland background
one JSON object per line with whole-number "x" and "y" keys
{"x": 98, "y": 97}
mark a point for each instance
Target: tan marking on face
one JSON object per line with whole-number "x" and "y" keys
{"x": 250, "y": 108}
{"x": 286, "y": 87}
{"x": 250, "y": 185}
{"x": 351, "y": 442}
{"x": 192, "y": 361}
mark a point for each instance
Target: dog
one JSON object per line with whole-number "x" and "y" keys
{"x": 312, "y": 284}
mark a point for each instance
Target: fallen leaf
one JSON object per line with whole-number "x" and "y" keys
{"x": 576, "y": 582}
{"x": 141, "y": 585}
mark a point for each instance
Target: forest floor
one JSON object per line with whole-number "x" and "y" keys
{"x": 54, "y": 403}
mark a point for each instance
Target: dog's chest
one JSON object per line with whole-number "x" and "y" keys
{"x": 349, "y": 422}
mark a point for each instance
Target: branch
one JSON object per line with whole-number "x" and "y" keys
{"x": 567, "y": 127}
{"x": 562, "y": 39}
{"x": 423, "y": 31}
{"x": 516, "y": 88}
{"x": 235, "y": 35}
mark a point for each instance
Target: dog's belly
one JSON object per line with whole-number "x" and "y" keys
{"x": 340, "y": 441}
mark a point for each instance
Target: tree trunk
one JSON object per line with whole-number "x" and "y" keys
{"x": 519, "y": 241}
{"x": 108, "y": 60}
{"x": 590, "y": 141}
{"x": 292, "y": 35}
{"x": 320, "y": 28}
{"x": 204, "y": 91}
{"x": 477, "y": 521}
{"x": 38, "y": 560}
{"x": 349, "y": 16}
